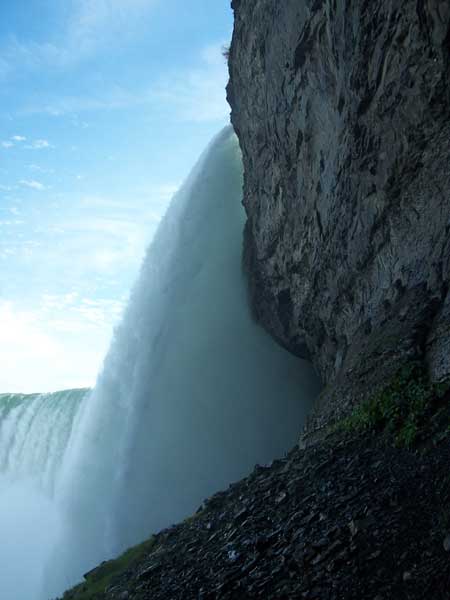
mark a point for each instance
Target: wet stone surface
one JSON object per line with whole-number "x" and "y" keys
{"x": 348, "y": 519}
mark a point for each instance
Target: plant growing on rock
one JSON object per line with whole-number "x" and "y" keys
{"x": 402, "y": 408}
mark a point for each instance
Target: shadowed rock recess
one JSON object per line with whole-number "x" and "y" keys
{"x": 342, "y": 110}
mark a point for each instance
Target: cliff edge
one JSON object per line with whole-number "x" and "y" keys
{"x": 343, "y": 115}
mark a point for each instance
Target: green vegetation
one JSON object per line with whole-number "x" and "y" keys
{"x": 402, "y": 408}
{"x": 103, "y": 577}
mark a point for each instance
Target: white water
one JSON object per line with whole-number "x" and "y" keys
{"x": 34, "y": 433}
{"x": 193, "y": 393}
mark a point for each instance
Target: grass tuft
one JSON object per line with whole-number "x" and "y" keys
{"x": 100, "y": 580}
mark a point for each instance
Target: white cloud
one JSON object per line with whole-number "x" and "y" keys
{"x": 92, "y": 25}
{"x": 39, "y": 169}
{"x": 113, "y": 99}
{"x": 6, "y": 253}
{"x": 5, "y": 69}
{"x": 39, "y": 145}
{"x": 17, "y": 325}
{"x": 103, "y": 18}
{"x": 155, "y": 195}
{"x": 33, "y": 184}
{"x": 70, "y": 311}
{"x": 9, "y": 223}
{"x": 52, "y": 359}
{"x": 195, "y": 94}
{"x": 35, "y": 145}
{"x": 60, "y": 330}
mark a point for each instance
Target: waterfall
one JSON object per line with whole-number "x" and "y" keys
{"x": 34, "y": 434}
{"x": 192, "y": 394}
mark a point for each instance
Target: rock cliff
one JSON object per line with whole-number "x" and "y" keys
{"x": 342, "y": 110}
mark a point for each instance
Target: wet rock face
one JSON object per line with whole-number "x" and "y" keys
{"x": 343, "y": 115}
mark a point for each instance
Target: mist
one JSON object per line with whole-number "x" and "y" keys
{"x": 193, "y": 393}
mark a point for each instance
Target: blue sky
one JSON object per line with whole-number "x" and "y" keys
{"x": 106, "y": 104}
